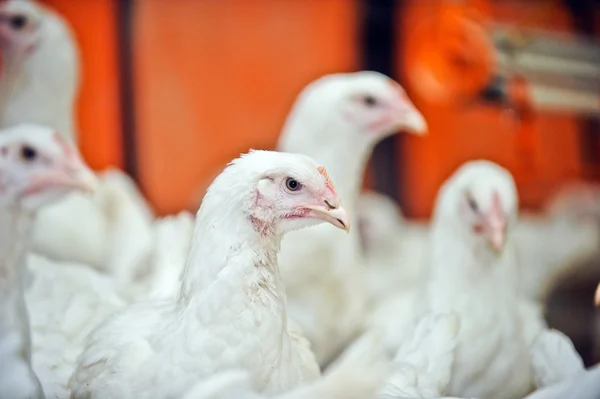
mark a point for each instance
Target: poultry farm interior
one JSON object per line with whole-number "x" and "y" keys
{"x": 299, "y": 199}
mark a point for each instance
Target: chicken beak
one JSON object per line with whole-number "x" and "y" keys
{"x": 73, "y": 175}
{"x": 337, "y": 216}
{"x": 409, "y": 118}
{"x": 496, "y": 232}
{"x": 597, "y": 296}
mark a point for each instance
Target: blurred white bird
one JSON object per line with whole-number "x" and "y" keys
{"x": 40, "y": 67}
{"x": 231, "y": 309}
{"x": 423, "y": 365}
{"x": 567, "y": 233}
{"x": 337, "y": 120}
{"x": 110, "y": 231}
{"x": 394, "y": 248}
{"x": 547, "y": 245}
{"x": 473, "y": 271}
{"x": 554, "y": 359}
{"x": 66, "y": 302}
{"x": 172, "y": 238}
{"x": 584, "y": 386}
{"x": 37, "y": 166}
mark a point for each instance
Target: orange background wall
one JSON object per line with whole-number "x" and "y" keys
{"x": 457, "y": 136}
{"x": 214, "y": 78}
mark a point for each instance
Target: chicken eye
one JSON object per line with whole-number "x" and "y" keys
{"x": 18, "y": 22}
{"x": 28, "y": 154}
{"x": 472, "y": 204}
{"x": 370, "y": 101}
{"x": 292, "y": 184}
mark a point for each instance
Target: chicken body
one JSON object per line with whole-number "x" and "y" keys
{"x": 337, "y": 120}
{"x": 473, "y": 271}
{"x": 231, "y": 309}
{"x": 37, "y": 166}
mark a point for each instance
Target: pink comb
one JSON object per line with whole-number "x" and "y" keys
{"x": 323, "y": 172}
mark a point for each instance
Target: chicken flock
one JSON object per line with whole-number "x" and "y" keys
{"x": 269, "y": 291}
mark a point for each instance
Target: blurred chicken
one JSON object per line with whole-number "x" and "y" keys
{"x": 37, "y": 167}
{"x": 566, "y": 234}
{"x": 554, "y": 359}
{"x": 110, "y": 230}
{"x": 547, "y": 245}
{"x": 473, "y": 271}
{"x": 171, "y": 241}
{"x": 574, "y": 382}
{"x": 39, "y": 81}
{"x": 337, "y": 120}
{"x": 584, "y": 386}
{"x": 40, "y": 67}
{"x": 394, "y": 248}
{"x": 423, "y": 365}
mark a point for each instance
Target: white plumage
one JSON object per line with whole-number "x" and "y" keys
{"x": 171, "y": 240}
{"x": 337, "y": 120}
{"x": 584, "y": 386}
{"x": 423, "y": 365}
{"x": 40, "y": 67}
{"x": 394, "y": 248}
{"x": 37, "y": 166}
{"x": 565, "y": 234}
{"x": 66, "y": 302}
{"x": 473, "y": 271}
{"x": 231, "y": 308}
{"x": 110, "y": 231}
{"x": 547, "y": 245}
{"x": 554, "y": 359}
{"x": 358, "y": 374}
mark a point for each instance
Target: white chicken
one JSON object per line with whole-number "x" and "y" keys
{"x": 394, "y": 248}
{"x": 110, "y": 231}
{"x": 337, "y": 120}
{"x": 423, "y": 364}
{"x": 66, "y": 302}
{"x": 567, "y": 233}
{"x": 359, "y": 375}
{"x": 231, "y": 309}
{"x": 37, "y": 166}
{"x": 472, "y": 270}
{"x": 172, "y": 238}
{"x": 572, "y": 381}
{"x": 39, "y": 79}
{"x": 584, "y": 386}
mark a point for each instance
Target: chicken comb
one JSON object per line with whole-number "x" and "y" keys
{"x": 323, "y": 172}
{"x": 64, "y": 145}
